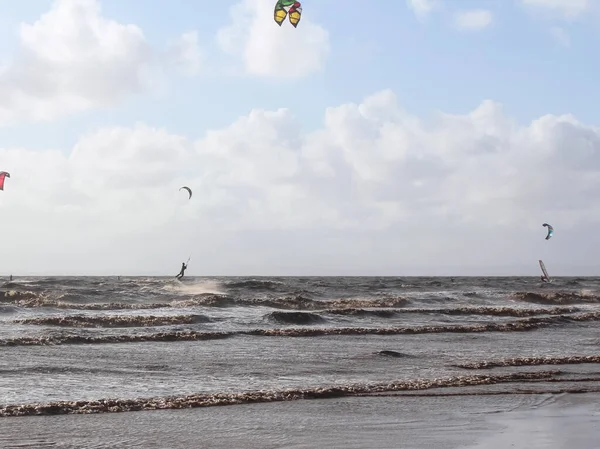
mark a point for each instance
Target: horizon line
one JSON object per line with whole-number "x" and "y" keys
{"x": 298, "y": 276}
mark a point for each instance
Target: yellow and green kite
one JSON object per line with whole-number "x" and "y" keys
{"x": 290, "y": 8}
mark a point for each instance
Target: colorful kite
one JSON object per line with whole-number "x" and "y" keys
{"x": 3, "y": 176}
{"x": 288, "y": 7}
{"x": 550, "y": 230}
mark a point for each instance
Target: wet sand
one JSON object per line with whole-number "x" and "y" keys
{"x": 572, "y": 421}
{"x": 541, "y": 421}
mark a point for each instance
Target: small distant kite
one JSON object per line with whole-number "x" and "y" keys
{"x": 550, "y": 230}
{"x": 290, "y": 8}
{"x": 3, "y": 176}
{"x": 189, "y": 191}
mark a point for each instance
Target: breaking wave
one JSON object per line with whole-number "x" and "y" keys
{"x": 523, "y": 325}
{"x": 107, "y": 339}
{"x": 557, "y": 297}
{"x": 220, "y": 399}
{"x": 490, "y": 311}
{"x": 302, "y": 303}
{"x": 531, "y": 361}
{"x": 114, "y": 321}
{"x": 34, "y": 300}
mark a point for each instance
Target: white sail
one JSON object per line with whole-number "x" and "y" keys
{"x": 543, "y": 267}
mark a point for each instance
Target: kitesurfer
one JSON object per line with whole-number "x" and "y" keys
{"x": 11, "y": 278}
{"x": 181, "y": 273}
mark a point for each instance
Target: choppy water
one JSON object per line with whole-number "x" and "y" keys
{"x": 147, "y": 343}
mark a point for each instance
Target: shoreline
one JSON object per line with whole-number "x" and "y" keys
{"x": 543, "y": 421}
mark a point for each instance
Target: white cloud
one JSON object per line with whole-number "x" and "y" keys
{"x": 570, "y": 9}
{"x": 269, "y": 50}
{"x": 186, "y": 54}
{"x": 421, "y": 8}
{"x": 476, "y": 19}
{"x": 374, "y": 190}
{"x": 71, "y": 60}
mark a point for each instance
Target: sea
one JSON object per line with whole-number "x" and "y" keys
{"x": 130, "y": 345}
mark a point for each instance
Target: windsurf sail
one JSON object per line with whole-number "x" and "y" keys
{"x": 543, "y": 267}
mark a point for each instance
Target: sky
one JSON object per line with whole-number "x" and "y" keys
{"x": 432, "y": 137}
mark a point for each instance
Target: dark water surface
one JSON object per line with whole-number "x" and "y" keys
{"x": 68, "y": 344}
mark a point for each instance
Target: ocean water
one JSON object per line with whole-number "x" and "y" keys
{"x": 83, "y": 345}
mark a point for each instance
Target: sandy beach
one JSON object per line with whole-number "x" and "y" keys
{"x": 567, "y": 421}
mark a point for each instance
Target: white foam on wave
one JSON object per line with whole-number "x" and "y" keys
{"x": 193, "y": 287}
{"x": 586, "y": 292}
